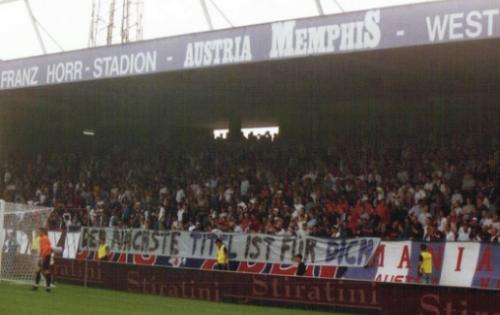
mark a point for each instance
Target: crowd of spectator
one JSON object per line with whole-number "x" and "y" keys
{"x": 405, "y": 191}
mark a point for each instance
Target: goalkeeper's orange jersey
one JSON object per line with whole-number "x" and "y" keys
{"x": 45, "y": 247}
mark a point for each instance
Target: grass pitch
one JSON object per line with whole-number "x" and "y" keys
{"x": 18, "y": 299}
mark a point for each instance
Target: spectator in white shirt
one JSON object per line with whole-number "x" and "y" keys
{"x": 419, "y": 194}
{"x": 486, "y": 220}
{"x": 179, "y": 195}
{"x": 451, "y": 236}
{"x": 244, "y": 186}
{"x": 464, "y": 232}
{"x": 457, "y": 198}
{"x": 180, "y": 214}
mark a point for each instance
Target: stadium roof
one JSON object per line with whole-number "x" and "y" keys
{"x": 70, "y": 30}
{"x": 403, "y": 66}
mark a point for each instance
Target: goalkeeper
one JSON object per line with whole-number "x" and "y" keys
{"x": 43, "y": 260}
{"x": 35, "y": 249}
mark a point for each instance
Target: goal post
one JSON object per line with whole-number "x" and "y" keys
{"x": 18, "y": 225}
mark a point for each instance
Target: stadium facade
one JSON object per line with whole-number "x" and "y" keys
{"x": 378, "y": 76}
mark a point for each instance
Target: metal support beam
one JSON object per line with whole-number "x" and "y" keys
{"x": 207, "y": 14}
{"x": 338, "y": 5}
{"x": 221, "y": 13}
{"x": 35, "y": 26}
{"x": 319, "y": 7}
{"x": 8, "y": 1}
{"x": 50, "y": 36}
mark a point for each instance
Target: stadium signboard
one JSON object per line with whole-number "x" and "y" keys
{"x": 423, "y": 24}
{"x": 263, "y": 248}
{"x": 328, "y": 294}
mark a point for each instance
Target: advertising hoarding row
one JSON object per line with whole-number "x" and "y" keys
{"x": 302, "y": 292}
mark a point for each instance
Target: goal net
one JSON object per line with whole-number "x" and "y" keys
{"x": 18, "y": 225}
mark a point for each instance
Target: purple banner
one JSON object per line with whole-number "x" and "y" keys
{"x": 404, "y": 26}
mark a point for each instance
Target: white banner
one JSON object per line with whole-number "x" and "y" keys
{"x": 355, "y": 252}
{"x": 396, "y": 264}
{"x": 460, "y": 263}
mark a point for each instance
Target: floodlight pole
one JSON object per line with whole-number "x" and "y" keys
{"x": 207, "y": 14}
{"x": 111, "y": 25}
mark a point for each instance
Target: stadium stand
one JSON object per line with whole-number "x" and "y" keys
{"x": 422, "y": 192}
